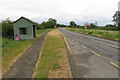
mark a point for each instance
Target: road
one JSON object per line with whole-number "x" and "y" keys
{"x": 92, "y": 57}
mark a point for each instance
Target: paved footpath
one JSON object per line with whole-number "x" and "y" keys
{"x": 23, "y": 67}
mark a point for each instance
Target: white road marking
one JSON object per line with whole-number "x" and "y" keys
{"x": 106, "y": 44}
{"x": 109, "y": 44}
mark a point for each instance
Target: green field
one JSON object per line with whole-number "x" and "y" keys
{"x": 12, "y": 49}
{"x": 108, "y": 34}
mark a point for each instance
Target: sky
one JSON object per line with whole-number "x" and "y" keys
{"x": 64, "y": 11}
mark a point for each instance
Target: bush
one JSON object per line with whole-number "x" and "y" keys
{"x": 89, "y": 32}
{"x": 101, "y": 33}
{"x": 7, "y": 29}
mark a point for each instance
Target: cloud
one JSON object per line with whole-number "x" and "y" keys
{"x": 64, "y": 11}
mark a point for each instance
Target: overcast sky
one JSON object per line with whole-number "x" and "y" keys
{"x": 64, "y": 11}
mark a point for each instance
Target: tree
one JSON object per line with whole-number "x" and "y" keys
{"x": 60, "y": 25}
{"x": 51, "y": 22}
{"x": 91, "y": 25}
{"x": 73, "y": 24}
{"x": 79, "y": 26}
{"x": 48, "y": 24}
{"x": 109, "y": 25}
{"x": 7, "y": 28}
{"x": 116, "y": 18}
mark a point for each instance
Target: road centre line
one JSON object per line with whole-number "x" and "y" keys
{"x": 115, "y": 65}
{"x": 76, "y": 42}
{"x": 86, "y": 48}
{"x": 80, "y": 44}
{"x": 95, "y": 53}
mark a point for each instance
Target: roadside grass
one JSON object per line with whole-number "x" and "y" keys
{"x": 40, "y": 32}
{"x": 12, "y": 49}
{"x": 113, "y": 35}
{"x": 53, "y": 60}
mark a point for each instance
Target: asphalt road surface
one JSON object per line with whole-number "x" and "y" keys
{"x": 92, "y": 57}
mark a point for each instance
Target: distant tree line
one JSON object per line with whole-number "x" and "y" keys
{"x": 48, "y": 24}
{"x": 8, "y": 32}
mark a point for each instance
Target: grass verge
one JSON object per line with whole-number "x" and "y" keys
{"x": 12, "y": 49}
{"x": 112, "y": 35}
{"x": 40, "y": 32}
{"x": 53, "y": 62}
